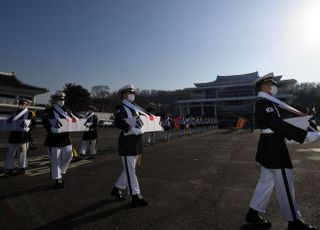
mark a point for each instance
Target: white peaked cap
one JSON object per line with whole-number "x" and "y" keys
{"x": 266, "y": 78}
{"x": 127, "y": 88}
{"x": 58, "y": 93}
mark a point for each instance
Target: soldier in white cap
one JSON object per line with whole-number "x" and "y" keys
{"x": 59, "y": 144}
{"x": 89, "y": 137}
{"x": 130, "y": 147}
{"x": 19, "y": 140}
{"x": 166, "y": 124}
{"x": 273, "y": 156}
{"x": 182, "y": 125}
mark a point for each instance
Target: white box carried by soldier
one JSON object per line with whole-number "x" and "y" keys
{"x": 69, "y": 125}
{"x": 146, "y": 123}
{"x": 300, "y": 122}
{"x": 16, "y": 125}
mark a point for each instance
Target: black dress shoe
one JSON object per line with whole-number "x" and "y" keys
{"x": 299, "y": 225}
{"x": 92, "y": 157}
{"x": 116, "y": 192}
{"x": 22, "y": 171}
{"x": 254, "y": 218}
{"x": 9, "y": 172}
{"x": 59, "y": 184}
{"x": 138, "y": 201}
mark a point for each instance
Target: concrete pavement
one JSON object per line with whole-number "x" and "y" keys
{"x": 203, "y": 181}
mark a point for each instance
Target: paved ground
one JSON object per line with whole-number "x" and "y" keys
{"x": 204, "y": 181}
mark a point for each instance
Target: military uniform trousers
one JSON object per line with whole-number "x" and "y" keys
{"x": 282, "y": 181}
{"x": 166, "y": 134}
{"x": 128, "y": 178}
{"x": 12, "y": 149}
{"x": 60, "y": 158}
{"x": 92, "y": 146}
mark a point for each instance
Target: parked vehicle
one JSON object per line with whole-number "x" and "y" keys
{"x": 105, "y": 123}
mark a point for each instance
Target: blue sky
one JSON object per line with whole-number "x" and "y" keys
{"x": 157, "y": 44}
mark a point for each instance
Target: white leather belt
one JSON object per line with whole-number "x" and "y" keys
{"x": 266, "y": 131}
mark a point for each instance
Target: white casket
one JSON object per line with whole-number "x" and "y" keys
{"x": 300, "y": 122}
{"x": 149, "y": 123}
{"x": 69, "y": 125}
{"x": 16, "y": 125}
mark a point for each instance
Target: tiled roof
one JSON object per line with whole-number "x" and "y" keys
{"x": 231, "y": 80}
{"x": 10, "y": 79}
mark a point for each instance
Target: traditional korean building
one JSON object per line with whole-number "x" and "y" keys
{"x": 11, "y": 89}
{"x": 229, "y": 96}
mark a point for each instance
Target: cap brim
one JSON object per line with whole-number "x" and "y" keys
{"x": 128, "y": 91}
{"x": 58, "y": 97}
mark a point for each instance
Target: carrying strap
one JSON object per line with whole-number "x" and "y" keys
{"x": 89, "y": 117}
{"x": 136, "y": 107}
{"x": 58, "y": 110}
{"x": 14, "y": 116}
{"x": 129, "y": 105}
{"x": 281, "y": 104}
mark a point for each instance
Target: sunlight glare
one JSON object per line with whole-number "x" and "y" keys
{"x": 309, "y": 23}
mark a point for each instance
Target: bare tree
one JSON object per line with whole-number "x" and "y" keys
{"x": 100, "y": 91}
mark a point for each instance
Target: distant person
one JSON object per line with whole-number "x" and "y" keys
{"x": 205, "y": 123}
{"x": 19, "y": 140}
{"x": 59, "y": 144}
{"x": 130, "y": 147}
{"x": 89, "y": 138}
{"x": 166, "y": 124}
{"x": 275, "y": 161}
{"x": 191, "y": 124}
{"x": 198, "y": 122}
{"x": 182, "y": 125}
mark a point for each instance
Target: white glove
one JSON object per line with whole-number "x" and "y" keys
{"x": 291, "y": 142}
{"x": 136, "y": 131}
{"x": 312, "y": 136}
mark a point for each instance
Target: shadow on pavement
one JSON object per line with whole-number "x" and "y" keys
{"x": 252, "y": 227}
{"x": 227, "y": 131}
{"x": 108, "y": 150}
{"x": 78, "y": 218}
{"x": 28, "y": 191}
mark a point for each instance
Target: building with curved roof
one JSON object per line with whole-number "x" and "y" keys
{"x": 12, "y": 89}
{"x": 229, "y": 95}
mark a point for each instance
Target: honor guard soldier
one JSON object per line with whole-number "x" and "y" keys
{"x": 274, "y": 158}
{"x": 89, "y": 137}
{"x": 130, "y": 147}
{"x": 191, "y": 124}
{"x": 182, "y": 125}
{"x": 59, "y": 144}
{"x": 166, "y": 124}
{"x": 19, "y": 140}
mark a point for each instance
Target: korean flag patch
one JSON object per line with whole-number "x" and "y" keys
{"x": 269, "y": 110}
